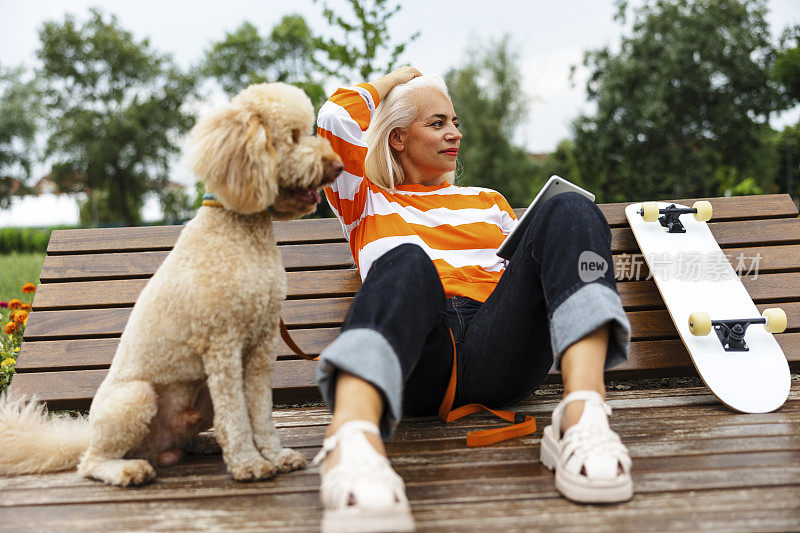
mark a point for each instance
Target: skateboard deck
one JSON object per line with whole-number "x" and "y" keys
{"x": 693, "y": 275}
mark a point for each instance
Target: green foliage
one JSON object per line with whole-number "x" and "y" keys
{"x": 177, "y": 206}
{"x": 488, "y": 99}
{"x": 785, "y": 151}
{"x": 25, "y": 240}
{"x": 115, "y": 109}
{"x": 240, "y": 59}
{"x": 362, "y": 53}
{"x": 786, "y": 68}
{"x": 561, "y": 162}
{"x": 687, "y": 93}
{"x": 245, "y": 57}
{"x": 20, "y": 113}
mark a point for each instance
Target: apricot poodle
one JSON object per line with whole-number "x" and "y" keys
{"x": 199, "y": 347}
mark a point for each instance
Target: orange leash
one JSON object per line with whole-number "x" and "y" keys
{"x": 523, "y": 424}
{"x": 291, "y": 344}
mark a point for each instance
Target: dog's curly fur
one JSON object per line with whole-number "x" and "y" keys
{"x": 204, "y": 329}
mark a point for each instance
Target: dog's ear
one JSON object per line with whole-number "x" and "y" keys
{"x": 231, "y": 151}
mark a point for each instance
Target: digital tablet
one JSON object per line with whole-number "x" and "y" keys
{"x": 555, "y": 185}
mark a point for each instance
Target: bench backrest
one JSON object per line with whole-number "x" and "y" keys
{"x": 91, "y": 278}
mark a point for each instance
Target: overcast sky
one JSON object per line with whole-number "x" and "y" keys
{"x": 549, "y": 36}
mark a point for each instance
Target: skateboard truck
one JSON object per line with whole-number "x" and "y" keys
{"x": 669, "y": 218}
{"x": 731, "y": 331}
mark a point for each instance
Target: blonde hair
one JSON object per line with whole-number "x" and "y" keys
{"x": 397, "y": 110}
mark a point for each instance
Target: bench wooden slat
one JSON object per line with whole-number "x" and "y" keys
{"x": 144, "y": 264}
{"x": 73, "y": 323}
{"x": 337, "y": 255}
{"x": 65, "y": 354}
{"x": 164, "y": 237}
{"x": 295, "y": 381}
{"x": 123, "y": 292}
{"x": 47, "y": 356}
{"x": 77, "y": 323}
{"x": 89, "y": 323}
{"x": 304, "y": 284}
{"x": 730, "y": 208}
{"x": 329, "y": 230}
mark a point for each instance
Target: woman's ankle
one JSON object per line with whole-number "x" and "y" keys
{"x": 338, "y": 421}
{"x": 574, "y": 410}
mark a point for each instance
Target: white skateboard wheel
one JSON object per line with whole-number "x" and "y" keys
{"x": 700, "y": 324}
{"x": 704, "y": 210}
{"x": 776, "y": 319}
{"x": 650, "y": 211}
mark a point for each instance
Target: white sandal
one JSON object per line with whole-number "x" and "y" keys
{"x": 588, "y": 457}
{"x": 362, "y": 492}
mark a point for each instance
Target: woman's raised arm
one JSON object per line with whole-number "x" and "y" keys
{"x": 342, "y": 120}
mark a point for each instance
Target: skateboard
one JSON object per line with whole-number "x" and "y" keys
{"x": 730, "y": 343}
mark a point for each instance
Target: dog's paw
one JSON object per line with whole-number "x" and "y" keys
{"x": 122, "y": 472}
{"x": 136, "y": 472}
{"x": 289, "y": 460}
{"x": 257, "y": 468}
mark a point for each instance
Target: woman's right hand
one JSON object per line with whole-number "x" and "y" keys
{"x": 400, "y": 75}
{"x": 404, "y": 74}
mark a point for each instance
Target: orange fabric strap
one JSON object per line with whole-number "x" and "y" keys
{"x": 523, "y": 424}
{"x": 291, "y": 344}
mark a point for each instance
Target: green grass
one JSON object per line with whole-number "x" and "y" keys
{"x": 17, "y": 269}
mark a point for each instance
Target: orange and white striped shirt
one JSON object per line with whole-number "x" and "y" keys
{"x": 460, "y": 228}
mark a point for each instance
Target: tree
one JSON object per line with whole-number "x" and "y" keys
{"x": 786, "y": 72}
{"x": 786, "y": 68}
{"x": 562, "y": 162}
{"x": 361, "y": 55}
{"x": 245, "y": 57}
{"x": 19, "y": 116}
{"x": 116, "y": 111}
{"x": 687, "y": 94}
{"x": 490, "y": 104}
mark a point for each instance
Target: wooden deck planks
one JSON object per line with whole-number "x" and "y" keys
{"x": 697, "y": 466}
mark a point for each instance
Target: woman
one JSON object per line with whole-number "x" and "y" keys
{"x": 432, "y": 284}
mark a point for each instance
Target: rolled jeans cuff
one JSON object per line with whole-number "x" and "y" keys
{"x": 584, "y": 311}
{"x": 364, "y": 353}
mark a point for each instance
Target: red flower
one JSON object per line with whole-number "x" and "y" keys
{"x": 16, "y": 303}
{"x": 28, "y": 288}
{"x": 11, "y": 327}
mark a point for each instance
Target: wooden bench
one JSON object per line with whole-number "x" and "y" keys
{"x": 91, "y": 278}
{"x": 696, "y": 464}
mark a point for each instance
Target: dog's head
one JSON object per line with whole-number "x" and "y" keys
{"x": 257, "y": 152}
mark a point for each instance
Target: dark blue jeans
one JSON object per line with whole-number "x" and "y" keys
{"x": 554, "y": 291}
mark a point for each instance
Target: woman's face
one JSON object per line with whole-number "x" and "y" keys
{"x": 428, "y": 147}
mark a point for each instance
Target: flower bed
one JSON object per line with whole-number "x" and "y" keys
{"x": 13, "y": 317}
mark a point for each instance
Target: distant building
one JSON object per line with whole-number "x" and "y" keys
{"x": 538, "y": 158}
{"x": 49, "y": 206}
